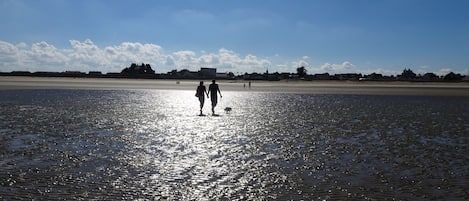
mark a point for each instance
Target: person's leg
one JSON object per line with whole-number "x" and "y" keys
{"x": 201, "y": 106}
{"x": 202, "y": 100}
{"x": 212, "y": 99}
{"x": 214, "y": 103}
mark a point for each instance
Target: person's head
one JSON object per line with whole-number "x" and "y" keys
{"x": 213, "y": 81}
{"x": 201, "y": 83}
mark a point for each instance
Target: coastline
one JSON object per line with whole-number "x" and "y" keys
{"x": 284, "y": 86}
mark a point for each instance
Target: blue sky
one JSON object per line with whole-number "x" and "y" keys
{"x": 334, "y": 36}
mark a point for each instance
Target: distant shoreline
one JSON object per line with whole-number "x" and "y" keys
{"x": 283, "y": 86}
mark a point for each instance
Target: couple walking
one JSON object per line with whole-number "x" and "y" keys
{"x": 212, "y": 90}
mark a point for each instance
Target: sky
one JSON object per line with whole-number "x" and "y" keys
{"x": 324, "y": 36}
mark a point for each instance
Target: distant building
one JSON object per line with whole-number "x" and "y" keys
{"x": 135, "y": 69}
{"x": 73, "y": 74}
{"x": 373, "y": 76}
{"x": 222, "y": 76}
{"x": 186, "y": 74}
{"x": 453, "y": 77}
{"x": 95, "y": 73}
{"x": 253, "y": 76}
{"x": 322, "y": 76}
{"x": 407, "y": 74}
{"x": 348, "y": 76}
{"x": 20, "y": 73}
{"x": 285, "y": 75}
{"x": 430, "y": 77}
{"x": 47, "y": 74}
{"x": 113, "y": 75}
{"x": 208, "y": 73}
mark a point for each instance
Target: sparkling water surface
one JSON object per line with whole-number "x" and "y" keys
{"x": 151, "y": 144}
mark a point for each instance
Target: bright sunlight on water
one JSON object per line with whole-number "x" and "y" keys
{"x": 151, "y": 144}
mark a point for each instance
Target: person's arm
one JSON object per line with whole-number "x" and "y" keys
{"x": 218, "y": 89}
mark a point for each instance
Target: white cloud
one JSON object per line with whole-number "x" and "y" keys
{"x": 83, "y": 56}
{"x": 230, "y": 61}
{"x": 303, "y": 62}
{"x": 209, "y": 59}
{"x": 299, "y": 63}
{"x": 8, "y": 53}
{"x": 44, "y": 54}
{"x": 331, "y": 68}
{"x": 38, "y": 56}
{"x": 169, "y": 60}
{"x": 87, "y": 56}
{"x": 283, "y": 67}
{"x": 185, "y": 58}
{"x": 344, "y": 67}
{"x": 224, "y": 60}
{"x": 443, "y": 71}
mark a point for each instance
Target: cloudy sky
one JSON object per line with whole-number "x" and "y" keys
{"x": 334, "y": 36}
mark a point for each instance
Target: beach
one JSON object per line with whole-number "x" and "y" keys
{"x": 130, "y": 139}
{"x": 284, "y": 86}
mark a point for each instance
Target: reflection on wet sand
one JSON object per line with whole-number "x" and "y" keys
{"x": 151, "y": 144}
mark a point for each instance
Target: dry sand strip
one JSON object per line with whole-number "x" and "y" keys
{"x": 316, "y": 87}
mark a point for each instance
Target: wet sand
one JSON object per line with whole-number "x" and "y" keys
{"x": 317, "y": 87}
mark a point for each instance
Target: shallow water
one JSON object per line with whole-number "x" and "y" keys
{"x": 150, "y": 144}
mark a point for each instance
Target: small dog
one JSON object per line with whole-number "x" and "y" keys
{"x": 227, "y": 109}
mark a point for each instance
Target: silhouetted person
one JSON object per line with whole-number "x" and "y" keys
{"x": 200, "y": 93}
{"x": 213, "y": 89}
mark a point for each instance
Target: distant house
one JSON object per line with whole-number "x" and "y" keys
{"x": 113, "y": 75}
{"x": 20, "y": 73}
{"x": 73, "y": 74}
{"x": 453, "y": 77}
{"x": 47, "y": 74}
{"x": 373, "y": 76}
{"x": 285, "y": 75}
{"x": 322, "y": 76}
{"x": 253, "y": 76}
{"x": 347, "y": 76}
{"x": 186, "y": 74}
{"x": 208, "y": 73}
{"x": 135, "y": 69}
{"x": 222, "y": 76}
{"x": 95, "y": 73}
{"x": 407, "y": 74}
{"x": 430, "y": 77}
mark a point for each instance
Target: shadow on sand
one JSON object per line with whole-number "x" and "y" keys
{"x": 213, "y": 115}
